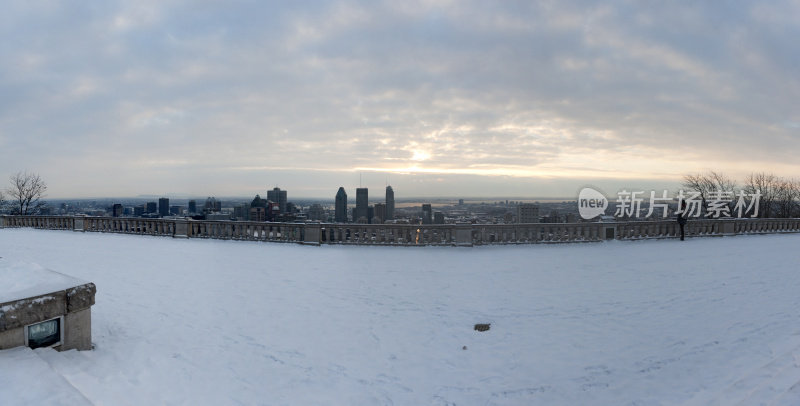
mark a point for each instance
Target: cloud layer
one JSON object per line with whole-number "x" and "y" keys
{"x": 120, "y": 98}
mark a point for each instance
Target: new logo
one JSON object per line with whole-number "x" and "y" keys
{"x": 591, "y": 203}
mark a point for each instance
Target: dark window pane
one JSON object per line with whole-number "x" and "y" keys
{"x": 44, "y": 334}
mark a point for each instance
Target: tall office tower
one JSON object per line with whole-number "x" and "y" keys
{"x": 379, "y": 213}
{"x": 341, "y": 206}
{"x": 116, "y": 210}
{"x": 427, "y": 214}
{"x": 151, "y": 207}
{"x": 389, "y": 203}
{"x": 362, "y": 205}
{"x": 192, "y": 207}
{"x": 278, "y": 196}
{"x": 163, "y": 207}
{"x": 438, "y": 217}
{"x": 527, "y": 213}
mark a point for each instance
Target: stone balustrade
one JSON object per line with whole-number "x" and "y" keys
{"x": 404, "y": 234}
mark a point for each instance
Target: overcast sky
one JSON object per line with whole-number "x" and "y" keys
{"x": 479, "y": 98}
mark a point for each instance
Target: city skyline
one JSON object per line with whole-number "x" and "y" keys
{"x": 437, "y": 99}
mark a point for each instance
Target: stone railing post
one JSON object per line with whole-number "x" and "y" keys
{"x": 312, "y": 234}
{"x": 181, "y": 228}
{"x": 3, "y": 221}
{"x": 79, "y": 223}
{"x": 463, "y": 235}
{"x": 609, "y": 231}
{"x": 728, "y": 227}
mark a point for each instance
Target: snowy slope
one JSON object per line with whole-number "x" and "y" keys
{"x": 705, "y": 321}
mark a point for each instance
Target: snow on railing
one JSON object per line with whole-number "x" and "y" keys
{"x": 404, "y": 234}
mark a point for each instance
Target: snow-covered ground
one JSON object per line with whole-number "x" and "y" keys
{"x": 705, "y": 321}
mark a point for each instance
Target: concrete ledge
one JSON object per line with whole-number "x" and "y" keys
{"x": 74, "y": 304}
{"x": 32, "y": 310}
{"x": 80, "y": 297}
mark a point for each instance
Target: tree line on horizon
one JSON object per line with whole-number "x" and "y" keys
{"x": 780, "y": 197}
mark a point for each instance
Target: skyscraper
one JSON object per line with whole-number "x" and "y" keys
{"x": 362, "y": 205}
{"x": 192, "y": 207}
{"x": 163, "y": 207}
{"x": 379, "y": 213}
{"x": 278, "y": 196}
{"x": 427, "y": 214}
{"x": 341, "y": 206}
{"x": 389, "y": 203}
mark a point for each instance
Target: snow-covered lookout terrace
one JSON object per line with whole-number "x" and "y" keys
{"x": 405, "y": 234}
{"x": 707, "y": 321}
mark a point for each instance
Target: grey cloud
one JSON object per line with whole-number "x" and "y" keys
{"x": 340, "y": 85}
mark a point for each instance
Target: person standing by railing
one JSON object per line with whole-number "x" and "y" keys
{"x": 682, "y": 217}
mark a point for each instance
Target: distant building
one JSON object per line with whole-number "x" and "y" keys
{"x": 438, "y": 217}
{"x": 389, "y": 204}
{"x": 258, "y": 214}
{"x": 273, "y": 211}
{"x": 241, "y": 212}
{"x": 218, "y": 216}
{"x": 316, "y": 212}
{"x": 278, "y": 196}
{"x": 460, "y": 202}
{"x": 151, "y": 207}
{"x": 362, "y": 205}
{"x": 163, "y": 207}
{"x": 258, "y": 202}
{"x": 192, "y": 207}
{"x": 527, "y": 213}
{"x": 380, "y": 215}
{"x": 427, "y": 214}
{"x": 212, "y": 205}
{"x": 117, "y": 210}
{"x": 175, "y": 210}
{"x": 138, "y": 211}
{"x": 340, "y": 214}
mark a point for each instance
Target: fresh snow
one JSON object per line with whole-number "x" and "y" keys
{"x": 23, "y": 280}
{"x": 704, "y": 321}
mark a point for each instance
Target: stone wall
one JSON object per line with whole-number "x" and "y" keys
{"x": 405, "y": 234}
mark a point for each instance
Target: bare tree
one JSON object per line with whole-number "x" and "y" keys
{"x": 26, "y": 192}
{"x": 707, "y": 183}
{"x": 721, "y": 182}
{"x": 766, "y": 184}
{"x": 700, "y": 183}
{"x": 786, "y": 196}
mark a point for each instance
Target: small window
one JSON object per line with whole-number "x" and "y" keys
{"x": 44, "y": 334}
